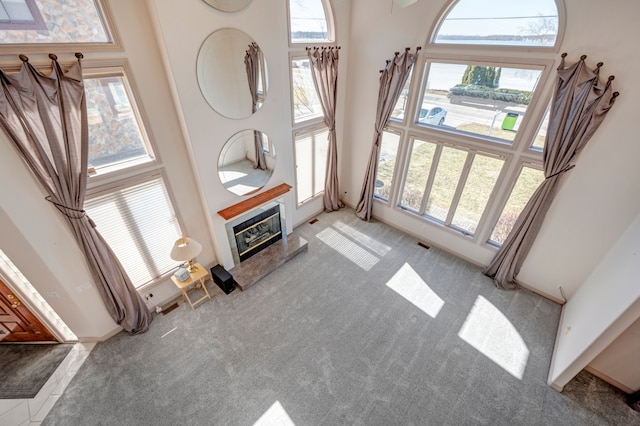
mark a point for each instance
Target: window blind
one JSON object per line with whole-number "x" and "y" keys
{"x": 140, "y": 225}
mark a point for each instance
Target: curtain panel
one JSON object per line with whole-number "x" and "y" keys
{"x": 324, "y": 70}
{"x": 392, "y": 80}
{"x": 252, "y": 61}
{"x": 580, "y": 103}
{"x": 45, "y": 117}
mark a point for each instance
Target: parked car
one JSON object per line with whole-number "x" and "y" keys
{"x": 432, "y": 114}
{"x": 429, "y": 114}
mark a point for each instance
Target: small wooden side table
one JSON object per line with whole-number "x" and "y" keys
{"x": 198, "y": 277}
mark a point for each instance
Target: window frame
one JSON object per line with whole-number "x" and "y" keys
{"x": 535, "y": 50}
{"x": 293, "y": 56}
{"x": 297, "y": 51}
{"x": 331, "y": 29}
{"x": 127, "y": 182}
{"x": 86, "y": 47}
{"x": 397, "y": 172}
{"x": 304, "y": 131}
{"x": 36, "y": 24}
{"x": 516, "y": 154}
{"x": 118, "y": 178}
{"x": 447, "y": 224}
{"x": 120, "y": 68}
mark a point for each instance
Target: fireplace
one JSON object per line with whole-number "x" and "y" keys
{"x": 257, "y": 233}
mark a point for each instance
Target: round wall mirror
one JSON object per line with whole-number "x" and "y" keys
{"x": 246, "y": 162}
{"x": 232, "y": 73}
{"x": 228, "y": 5}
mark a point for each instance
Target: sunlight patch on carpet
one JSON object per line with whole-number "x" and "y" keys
{"x": 365, "y": 240}
{"x": 275, "y": 415}
{"x": 347, "y": 248}
{"x": 408, "y": 284}
{"x": 491, "y": 333}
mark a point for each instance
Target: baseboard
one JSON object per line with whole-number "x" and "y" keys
{"x": 542, "y": 293}
{"x": 94, "y": 339}
{"x": 609, "y": 380}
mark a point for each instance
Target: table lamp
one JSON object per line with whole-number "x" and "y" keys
{"x": 185, "y": 249}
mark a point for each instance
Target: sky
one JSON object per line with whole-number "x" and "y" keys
{"x": 475, "y": 17}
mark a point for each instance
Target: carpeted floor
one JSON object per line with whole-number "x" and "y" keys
{"x": 24, "y": 369}
{"x": 366, "y": 328}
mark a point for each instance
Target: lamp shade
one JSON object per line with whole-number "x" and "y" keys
{"x": 185, "y": 249}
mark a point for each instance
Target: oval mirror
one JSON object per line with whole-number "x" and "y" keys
{"x": 228, "y": 5}
{"x": 232, "y": 73}
{"x": 246, "y": 162}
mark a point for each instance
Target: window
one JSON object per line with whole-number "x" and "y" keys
{"x": 489, "y": 101}
{"x": 500, "y": 22}
{"x": 306, "y": 105}
{"x": 116, "y": 139}
{"x": 311, "y": 160}
{"x": 386, "y": 164}
{"x": 528, "y": 181}
{"x": 127, "y": 196}
{"x": 538, "y": 142}
{"x": 20, "y": 15}
{"x": 401, "y": 106}
{"x": 458, "y": 184}
{"x": 52, "y": 21}
{"x": 308, "y": 22}
{"x": 470, "y": 123}
{"x": 139, "y": 224}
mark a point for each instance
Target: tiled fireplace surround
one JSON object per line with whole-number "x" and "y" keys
{"x": 251, "y": 270}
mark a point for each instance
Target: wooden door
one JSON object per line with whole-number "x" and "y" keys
{"x": 17, "y": 323}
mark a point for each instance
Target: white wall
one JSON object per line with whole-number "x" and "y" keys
{"x": 619, "y": 361}
{"x": 604, "y": 306}
{"x": 182, "y": 27}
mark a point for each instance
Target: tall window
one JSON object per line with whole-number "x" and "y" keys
{"x": 475, "y": 133}
{"x": 310, "y": 21}
{"x": 127, "y": 196}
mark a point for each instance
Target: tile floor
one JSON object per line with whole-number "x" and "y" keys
{"x": 14, "y": 412}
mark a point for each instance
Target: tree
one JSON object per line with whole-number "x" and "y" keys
{"x": 482, "y": 76}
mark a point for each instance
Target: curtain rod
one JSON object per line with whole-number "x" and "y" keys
{"x": 25, "y": 58}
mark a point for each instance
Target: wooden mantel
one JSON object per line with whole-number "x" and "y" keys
{"x": 253, "y": 202}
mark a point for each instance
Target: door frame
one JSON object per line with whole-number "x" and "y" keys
{"x": 26, "y": 300}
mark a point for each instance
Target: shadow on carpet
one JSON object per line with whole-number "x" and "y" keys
{"x": 24, "y": 369}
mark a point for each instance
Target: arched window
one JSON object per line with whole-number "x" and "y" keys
{"x": 500, "y": 22}
{"x": 310, "y": 21}
{"x": 471, "y": 121}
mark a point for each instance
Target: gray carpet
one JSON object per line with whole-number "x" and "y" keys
{"x": 24, "y": 369}
{"x": 366, "y": 328}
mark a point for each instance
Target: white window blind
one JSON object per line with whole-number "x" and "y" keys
{"x": 311, "y": 162}
{"x": 140, "y": 225}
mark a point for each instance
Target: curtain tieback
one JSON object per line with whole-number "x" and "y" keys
{"x": 566, "y": 169}
{"x": 69, "y": 212}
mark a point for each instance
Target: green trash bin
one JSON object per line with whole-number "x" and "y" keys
{"x": 509, "y": 121}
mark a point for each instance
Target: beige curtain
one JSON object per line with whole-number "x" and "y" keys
{"x": 392, "y": 80}
{"x": 252, "y": 63}
{"x": 579, "y": 106}
{"x": 46, "y": 119}
{"x": 324, "y": 70}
